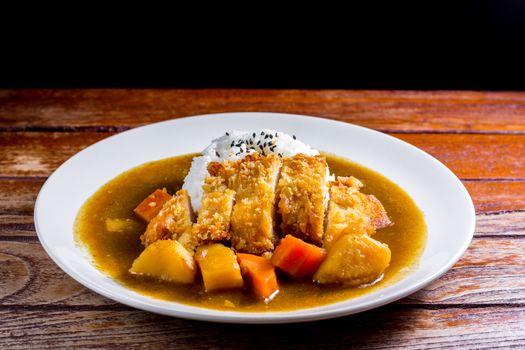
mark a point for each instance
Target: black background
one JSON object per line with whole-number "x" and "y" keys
{"x": 475, "y": 45}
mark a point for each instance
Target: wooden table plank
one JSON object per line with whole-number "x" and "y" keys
{"x": 502, "y": 224}
{"x": 17, "y": 195}
{"x": 389, "y": 328}
{"x": 39, "y": 153}
{"x": 17, "y": 227}
{"x": 491, "y": 272}
{"x": 456, "y": 111}
{"x": 30, "y": 277}
{"x": 475, "y": 156}
{"x": 478, "y": 303}
{"x": 497, "y": 196}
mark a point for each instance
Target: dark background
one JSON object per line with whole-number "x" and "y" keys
{"x": 475, "y": 45}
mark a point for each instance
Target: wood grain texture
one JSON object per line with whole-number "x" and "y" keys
{"x": 385, "y": 328}
{"x": 450, "y": 111}
{"x": 479, "y": 303}
{"x": 32, "y": 278}
{"x": 491, "y": 272}
{"x": 17, "y": 196}
{"x": 17, "y": 227}
{"x": 40, "y": 153}
{"x": 475, "y": 156}
{"x": 497, "y": 196}
{"x": 468, "y": 156}
{"x": 501, "y": 224}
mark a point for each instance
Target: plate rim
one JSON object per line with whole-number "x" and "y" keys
{"x": 260, "y": 317}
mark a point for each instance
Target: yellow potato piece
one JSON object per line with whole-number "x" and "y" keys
{"x": 167, "y": 260}
{"x": 219, "y": 267}
{"x": 354, "y": 260}
{"x": 120, "y": 225}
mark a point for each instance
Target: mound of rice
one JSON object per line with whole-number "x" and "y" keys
{"x": 236, "y": 144}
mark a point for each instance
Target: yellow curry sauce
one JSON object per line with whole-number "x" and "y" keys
{"x": 108, "y": 228}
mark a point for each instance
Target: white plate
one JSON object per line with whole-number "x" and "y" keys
{"x": 448, "y": 209}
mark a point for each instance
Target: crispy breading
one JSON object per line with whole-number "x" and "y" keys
{"x": 224, "y": 174}
{"x": 377, "y": 212}
{"x": 174, "y": 221}
{"x": 213, "y": 222}
{"x": 301, "y": 191}
{"x": 351, "y": 211}
{"x": 253, "y": 212}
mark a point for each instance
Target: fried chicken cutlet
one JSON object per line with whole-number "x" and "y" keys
{"x": 301, "y": 191}
{"x": 252, "y": 219}
{"x": 174, "y": 220}
{"x": 213, "y": 222}
{"x": 352, "y": 212}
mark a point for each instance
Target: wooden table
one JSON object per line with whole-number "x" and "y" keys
{"x": 478, "y": 303}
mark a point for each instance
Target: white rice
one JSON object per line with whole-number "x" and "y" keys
{"x": 236, "y": 144}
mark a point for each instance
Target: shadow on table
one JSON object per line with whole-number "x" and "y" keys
{"x": 370, "y": 329}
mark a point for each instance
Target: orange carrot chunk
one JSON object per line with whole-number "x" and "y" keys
{"x": 152, "y": 204}
{"x": 297, "y": 258}
{"x": 261, "y": 274}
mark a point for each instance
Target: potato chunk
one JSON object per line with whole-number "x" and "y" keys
{"x": 219, "y": 267}
{"x": 166, "y": 260}
{"x": 354, "y": 260}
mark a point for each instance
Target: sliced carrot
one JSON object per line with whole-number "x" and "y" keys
{"x": 261, "y": 274}
{"x": 152, "y": 204}
{"x": 297, "y": 258}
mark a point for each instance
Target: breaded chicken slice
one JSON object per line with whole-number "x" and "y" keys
{"x": 354, "y": 260}
{"x": 253, "y": 212}
{"x": 301, "y": 190}
{"x": 174, "y": 220}
{"x": 213, "y": 222}
{"x": 352, "y": 212}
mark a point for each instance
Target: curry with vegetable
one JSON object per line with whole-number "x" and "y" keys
{"x": 242, "y": 251}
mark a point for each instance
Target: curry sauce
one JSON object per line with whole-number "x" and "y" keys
{"x": 108, "y": 228}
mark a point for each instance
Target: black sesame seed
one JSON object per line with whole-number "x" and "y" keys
{"x": 227, "y": 134}
{"x": 295, "y": 138}
{"x": 253, "y": 134}
{"x": 217, "y": 153}
{"x": 258, "y": 142}
{"x": 262, "y": 132}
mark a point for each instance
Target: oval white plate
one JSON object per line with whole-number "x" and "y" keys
{"x": 448, "y": 209}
